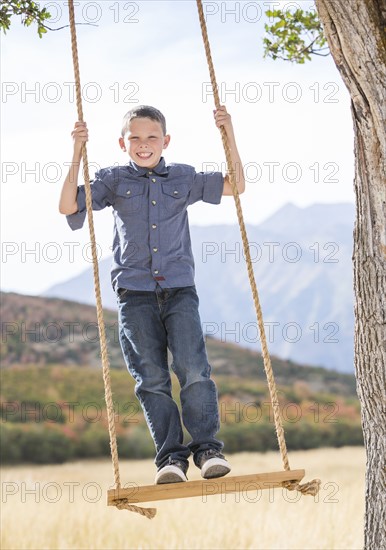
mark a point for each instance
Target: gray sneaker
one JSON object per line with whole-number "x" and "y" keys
{"x": 174, "y": 472}
{"x": 213, "y": 464}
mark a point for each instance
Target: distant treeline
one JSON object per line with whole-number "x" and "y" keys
{"x": 54, "y": 414}
{"x": 42, "y": 445}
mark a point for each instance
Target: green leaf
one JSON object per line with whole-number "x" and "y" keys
{"x": 28, "y": 10}
{"x": 295, "y": 36}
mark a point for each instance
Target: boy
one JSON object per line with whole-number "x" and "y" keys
{"x": 153, "y": 277}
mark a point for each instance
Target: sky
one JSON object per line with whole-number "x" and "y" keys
{"x": 293, "y": 123}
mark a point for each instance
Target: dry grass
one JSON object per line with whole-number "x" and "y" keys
{"x": 267, "y": 521}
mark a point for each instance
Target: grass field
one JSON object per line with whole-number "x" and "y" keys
{"x": 64, "y": 507}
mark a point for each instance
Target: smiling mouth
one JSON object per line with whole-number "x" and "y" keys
{"x": 144, "y": 156}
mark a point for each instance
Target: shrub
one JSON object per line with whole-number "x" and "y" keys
{"x": 37, "y": 445}
{"x": 137, "y": 444}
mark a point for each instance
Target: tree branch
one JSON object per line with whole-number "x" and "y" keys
{"x": 65, "y": 26}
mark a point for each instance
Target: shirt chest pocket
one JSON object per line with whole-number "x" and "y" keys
{"x": 175, "y": 196}
{"x": 129, "y": 197}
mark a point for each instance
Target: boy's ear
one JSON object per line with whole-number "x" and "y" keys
{"x": 122, "y": 144}
{"x": 166, "y": 141}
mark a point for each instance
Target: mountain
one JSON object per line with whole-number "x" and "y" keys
{"x": 52, "y": 404}
{"x": 46, "y": 332}
{"x": 302, "y": 265}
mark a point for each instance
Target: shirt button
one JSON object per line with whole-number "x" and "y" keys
{"x": 150, "y": 173}
{"x": 155, "y": 249}
{"x": 154, "y": 226}
{"x": 153, "y": 203}
{"x": 128, "y": 192}
{"x": 153, "y": 180}
{"x": 175, "y": 192}
{"x": 156, "y": 271}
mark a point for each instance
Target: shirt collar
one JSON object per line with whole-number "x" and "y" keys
{"x": 160, "y": 169}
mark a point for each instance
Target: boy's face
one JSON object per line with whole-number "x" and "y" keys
{"x": 144, "y": 141}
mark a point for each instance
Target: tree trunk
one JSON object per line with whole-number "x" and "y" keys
{"x": 355, "y": 30}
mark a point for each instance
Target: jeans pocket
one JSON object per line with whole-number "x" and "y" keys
{"x": 121, "y": 292}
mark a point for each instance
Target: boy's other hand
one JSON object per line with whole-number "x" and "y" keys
{"x": 79, "y": 135}
{"x": 223, "y": 118}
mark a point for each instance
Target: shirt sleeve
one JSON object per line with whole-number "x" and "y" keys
{"x": 207, "y": 187}
{"x": 102, "y": 196}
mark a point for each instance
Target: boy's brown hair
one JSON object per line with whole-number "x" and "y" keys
{"x": 143, "y": 111}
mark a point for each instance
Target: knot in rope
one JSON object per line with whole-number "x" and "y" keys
{"x": 123, "y": 504}
{"x": 310, "y": 488}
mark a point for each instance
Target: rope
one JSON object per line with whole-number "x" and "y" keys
{"x": 119, "y": 503}
{"x": 266, "y": 357}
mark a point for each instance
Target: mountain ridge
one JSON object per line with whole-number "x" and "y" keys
{"x": 302, "y": 264}
{"x": 53, "y": 331}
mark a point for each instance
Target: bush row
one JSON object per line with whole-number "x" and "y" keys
{"x": 261, "y": 438}
{"x": 42, "y": 445}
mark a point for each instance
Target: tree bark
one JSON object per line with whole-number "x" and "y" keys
{"x": 355, "y": 30}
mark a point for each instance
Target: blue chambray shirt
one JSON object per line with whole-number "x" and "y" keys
{"x": 151, "y": 240}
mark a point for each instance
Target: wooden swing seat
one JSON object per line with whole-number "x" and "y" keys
{"x": 203, "y": 488}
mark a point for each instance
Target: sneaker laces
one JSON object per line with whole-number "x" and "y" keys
{"x": 179, "y": 464}
{"x": 210, "y": 453}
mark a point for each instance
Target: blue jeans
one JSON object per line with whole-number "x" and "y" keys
{"x": 150, "y": 323}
